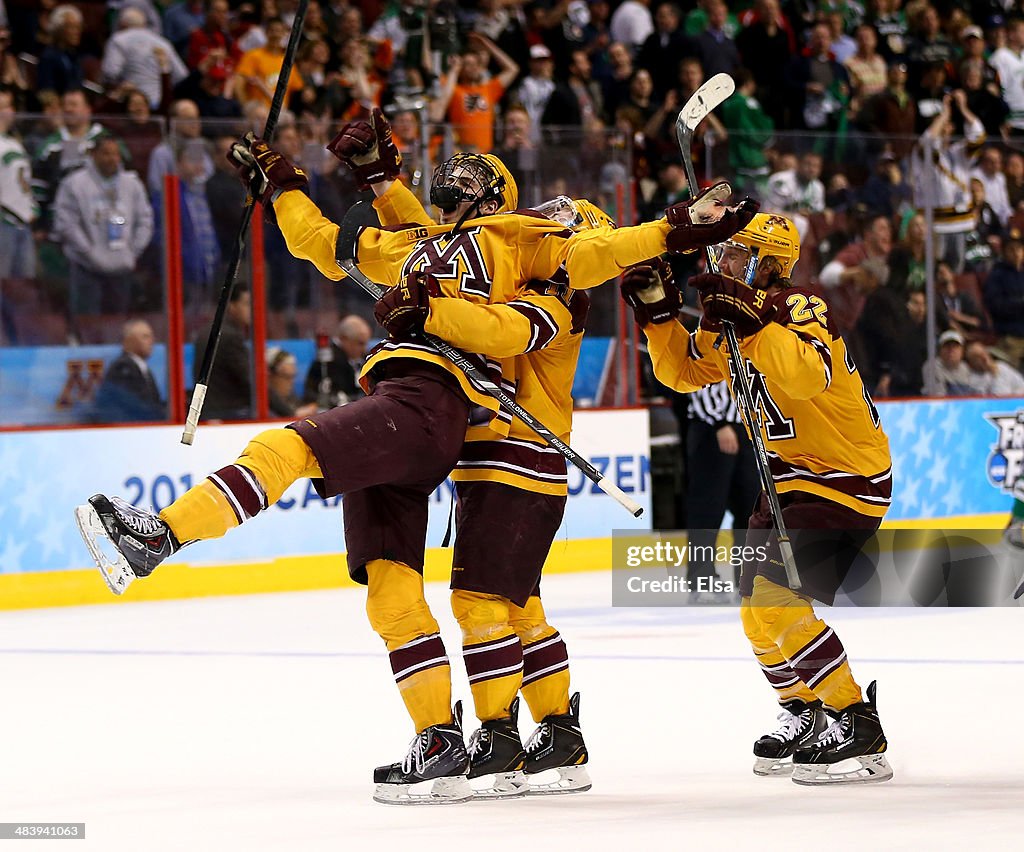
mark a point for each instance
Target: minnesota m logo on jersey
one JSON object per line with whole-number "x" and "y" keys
{"x": 458, "y": 261}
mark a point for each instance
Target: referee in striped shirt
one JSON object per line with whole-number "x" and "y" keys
{"x": 721, "y": 472}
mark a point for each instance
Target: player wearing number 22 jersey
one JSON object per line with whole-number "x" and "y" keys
{"x": 829, "y": 459}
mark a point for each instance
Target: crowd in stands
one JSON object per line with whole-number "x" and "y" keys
{"x": 850, "y": 118}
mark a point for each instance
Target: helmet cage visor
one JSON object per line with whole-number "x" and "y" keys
{"x": 736, "y": 259}
{"x": 462, "y": 178}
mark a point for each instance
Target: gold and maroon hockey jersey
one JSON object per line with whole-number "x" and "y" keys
{"x": 535, "y": 341}
{"x": 487, "y": 264}
{"x": 821, "y": 429}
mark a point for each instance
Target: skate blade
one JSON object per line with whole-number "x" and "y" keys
{"x": 114, "y": 568}
{"x": 769, "y": 767}
{"x": 571, "y": 779}
{"x": 505, "y": 785}
{"x": 869, "y": 769}
{"x": 443, "y": 791}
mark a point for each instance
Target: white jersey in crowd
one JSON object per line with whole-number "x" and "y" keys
{"x": 17, "y": 204}
{"x": 631, "y": 24}
{"x": 130, "y": 57}
{"x": 1010, "y": 67}
{"x": 996, "y": 193}
{"x": 787, "y": 194}
{"x": 940, "y": 176}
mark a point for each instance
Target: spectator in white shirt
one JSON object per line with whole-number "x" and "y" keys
{"x": 989, "y": 172}
{"x": 989, "y": 377}
{"x": 1009, "y": 64}
{"x": 798, "y": 192}
{"x": 133, "y": 55}
{"x": 632, "y": 23}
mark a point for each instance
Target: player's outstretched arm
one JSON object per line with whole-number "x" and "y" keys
{"x": 397, "y": 205}
{"x": 308, "y": 234}
{"x": 593, "y": 257}
{"x": 531, "y": 322}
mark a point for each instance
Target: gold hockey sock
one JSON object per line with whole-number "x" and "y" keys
{"x": 811, "y": 647}
{"x": 271, "y": 462}
{"x": 492, "y": 652}
{"x": 545, "y": 661}
{"x": 776, "y": 668}
{"x": 399, "y": 613}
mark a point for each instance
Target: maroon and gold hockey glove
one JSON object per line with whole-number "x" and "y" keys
{"x": 650, "y": 290}
{"x": 368, "y": 149}
{"x": 404, "y": 308}
{"x": 263, "y": 169}
{"x": 705, "y": 220}
{"x": 748, "y": 308}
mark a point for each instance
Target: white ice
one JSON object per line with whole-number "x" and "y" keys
{"x": 253, "y": 723}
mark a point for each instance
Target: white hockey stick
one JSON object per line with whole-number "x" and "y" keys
{"x": 707, "y": 98}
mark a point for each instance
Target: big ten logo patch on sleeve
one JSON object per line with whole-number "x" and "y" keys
{"x": 83, "y": 378}
{"x": 457, "y": 264}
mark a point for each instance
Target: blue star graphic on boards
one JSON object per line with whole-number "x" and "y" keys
{"x": 923, "y": 449}
{"x": 908, "y": 495}
{"x": 53, "y": 540}
{"x": 8, "y": 461}
{"x": 953, "y": 498}
{"x": 950, "y": 425}
{"x": 906, "y": 424}
{"x": 10, "y": 556}
{"x": 32, "y": 499}
{"x": 937, "y": 475}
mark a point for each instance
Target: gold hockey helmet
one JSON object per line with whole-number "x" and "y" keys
{"x": 577, "y": 214}
{"x": 767, "y": 235}
{"x": 593, "y": 216}
{"x": 473, "y": 177}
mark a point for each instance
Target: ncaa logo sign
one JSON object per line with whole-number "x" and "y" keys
{"x": 1006, "y": 458}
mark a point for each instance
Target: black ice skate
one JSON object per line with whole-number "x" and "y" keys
{"x": 558, "y": 745}
{"x": 495, "y": 751}
{"x": 850, "y": 751}
{"x": 139, "y": 540}
{"x": 437, "y": 754}
{"x": 800, "y": 724}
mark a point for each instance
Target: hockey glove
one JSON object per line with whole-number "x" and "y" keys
{"x": 264, "y": 170}
{"x": 705, "y": 220}
{"x": 405, "y": 307}
{"x": 368, "y": 149}
{"x": 748, "y": 308}
{"x": 649, "y": 289}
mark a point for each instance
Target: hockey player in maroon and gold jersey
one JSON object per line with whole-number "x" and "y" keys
{"x": 388, "y": 451}
{"x": 508, "y": 644}
{"x": 829, "y": 460}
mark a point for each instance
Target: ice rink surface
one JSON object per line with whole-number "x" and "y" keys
{"x": 253, "y": 723}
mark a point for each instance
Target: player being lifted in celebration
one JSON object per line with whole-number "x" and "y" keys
{"x": 829, "y": 459}
{"x": 388, "y": 451}
{"x": 508, "y": 644}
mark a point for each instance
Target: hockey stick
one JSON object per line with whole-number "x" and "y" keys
{"x": 478, "y": 379}
{"x": 708, "y": 97}
{"x": 199, "y": 394}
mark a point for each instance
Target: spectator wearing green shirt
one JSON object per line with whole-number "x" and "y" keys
{"x": 750, "y": 130}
